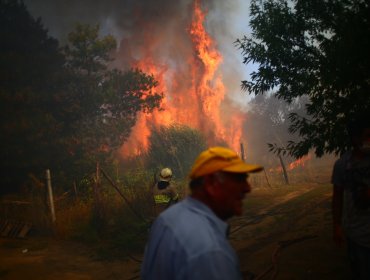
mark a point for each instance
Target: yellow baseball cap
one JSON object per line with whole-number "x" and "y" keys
{"x": 220, "y": 159}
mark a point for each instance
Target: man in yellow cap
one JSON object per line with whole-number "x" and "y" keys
{"x": 189, "y": 240}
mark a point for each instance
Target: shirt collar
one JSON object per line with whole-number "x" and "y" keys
{"x": 200, "y": 207}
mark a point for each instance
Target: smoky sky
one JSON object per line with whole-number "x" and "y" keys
{"x": 119, "y": 16}
{"x": 165, "y": 21}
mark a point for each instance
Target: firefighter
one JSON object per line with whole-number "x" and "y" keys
{"x": 164, "y": 191}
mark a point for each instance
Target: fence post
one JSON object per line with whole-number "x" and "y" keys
{"x": 75, "y": 188}
{"x": 242, "y": 151}
{"x": 98, "y": 202}
{"x": 284, "y": 170}
{"x": 50, "y": 195}
{"x": 97, "y": 188}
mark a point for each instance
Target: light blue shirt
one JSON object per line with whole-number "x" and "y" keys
{"x": 188, "y": 241}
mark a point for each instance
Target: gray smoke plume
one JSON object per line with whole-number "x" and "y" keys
{"x": 158, "y": 33}
{"x": 166, "y": 21}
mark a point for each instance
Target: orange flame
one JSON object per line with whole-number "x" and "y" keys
{"x": 195, "y": 102}
{"x": 293, "y": 165}
{"x": 299, "y": 162}
{"x": 210, "y": 95}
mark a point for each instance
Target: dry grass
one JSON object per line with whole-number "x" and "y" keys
{"x": 72, "y": 219}
{"x": 126, "y": 215}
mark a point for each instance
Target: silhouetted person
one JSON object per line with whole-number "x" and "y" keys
{"x": 189, "y": 239}
{"x": 351, "y": 199}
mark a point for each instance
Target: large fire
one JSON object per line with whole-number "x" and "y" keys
{"x": 193, "y": 89}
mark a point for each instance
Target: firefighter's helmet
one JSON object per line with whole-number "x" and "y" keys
{"x": 165, "y": 175}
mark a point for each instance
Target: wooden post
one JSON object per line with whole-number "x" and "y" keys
{"x": 267, "y": 179}
{"x": 75, "y": 188}
{"x": 50, "y": 194}
{"x": 284, "y": 170}
{"x": 242, "y": 151}
{"x": 98, "y": 203}
{"x": 97, "y": 186}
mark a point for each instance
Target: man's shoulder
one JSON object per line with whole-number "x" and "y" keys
{"x": 190, "y": 227}
{"x": 178, "y": 214}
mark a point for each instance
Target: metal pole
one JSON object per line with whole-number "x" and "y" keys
{"x": 50, "y": 192}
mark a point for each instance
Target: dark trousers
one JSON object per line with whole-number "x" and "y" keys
{"x": 359, "y": 257}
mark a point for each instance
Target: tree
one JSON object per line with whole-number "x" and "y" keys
{"x": 30, "y": 68}
{"x": 175, "y": 146}
{"x": 105, "y": 101}
{"x": 62, "y": 110}
{"x": 315, "y": 48}
{"x": 127, "y": 93}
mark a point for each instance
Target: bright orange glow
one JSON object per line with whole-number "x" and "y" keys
{"x": 193, "y": 89}
{"x": 299, "y": 162}
{"x": 293, "y": 165}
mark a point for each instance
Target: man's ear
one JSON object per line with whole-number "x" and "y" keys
{"x": 210, "y": 184}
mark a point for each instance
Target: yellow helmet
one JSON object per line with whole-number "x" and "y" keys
{"x": 165, "y": 175}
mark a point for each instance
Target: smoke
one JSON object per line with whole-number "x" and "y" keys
{"x": 130, "y": 21}
{"x": 154, "y": 36}
{"x": 121, "y": 17}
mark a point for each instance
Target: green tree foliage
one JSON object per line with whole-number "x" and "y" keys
{"x": 87, "y": 53}
{"x": 62, "y": 109}
{"x": 176, "y": 147}
{"x": 126, "y": 94}
{"x": 105, "y": 102}
{"x": 30, "y": 67}
{"x": 87, "y": 58}
{"x": 314, "y": 48}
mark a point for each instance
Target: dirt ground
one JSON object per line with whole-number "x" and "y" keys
{"x": 40, "y": 258}
{"x": 283, "y": 235}
{"x": 292, "y": 240}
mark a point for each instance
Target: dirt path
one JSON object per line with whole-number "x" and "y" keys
{"x": 292, "y": 240}
{"x": 38, "y": 258}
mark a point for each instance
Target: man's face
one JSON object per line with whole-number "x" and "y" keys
{"x": 229, "y": 190}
